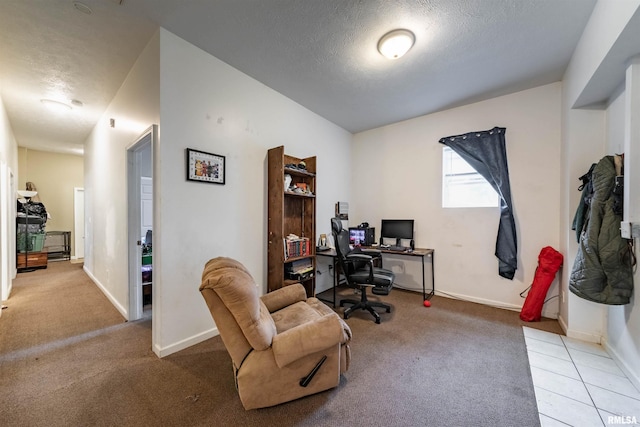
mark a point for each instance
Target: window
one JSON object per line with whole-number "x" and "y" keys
{"x": 462, "y": 186}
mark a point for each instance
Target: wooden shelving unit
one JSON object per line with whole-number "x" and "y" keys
{"x": 57, "y": 244}
{"x": 290, "y": 213}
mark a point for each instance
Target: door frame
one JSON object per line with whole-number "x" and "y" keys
{"x": 134, "y": 175}
{"x": 78, "y": 227}
{"x": 7, "y": 231}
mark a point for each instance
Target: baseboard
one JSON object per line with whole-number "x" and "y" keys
{"x": 491, "y": 303}
{"x": 110, "y": 297}
{"x": 550, "y": 313}
{"x": 563, "y": 324}
{"x": 188, "y": 342}
{"x": 633, "y": 377}
{"x": 164, "y": 351}
{"x": 582, "y": 336}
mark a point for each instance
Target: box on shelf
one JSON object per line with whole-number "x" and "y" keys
{"x": 300, "y": 269}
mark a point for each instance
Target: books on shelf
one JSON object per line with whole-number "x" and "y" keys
{"x": 295, "y": 246}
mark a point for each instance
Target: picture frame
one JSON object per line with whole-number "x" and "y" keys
{"x": 205, "y": 167}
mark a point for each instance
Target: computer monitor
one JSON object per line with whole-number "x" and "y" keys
{"x": 399, "y": 229}
{"x": 362, "y": 236}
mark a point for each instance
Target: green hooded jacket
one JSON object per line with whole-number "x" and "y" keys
{"x": 602, "y": 271}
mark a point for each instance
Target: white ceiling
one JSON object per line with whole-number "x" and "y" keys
{"x": 322, "y": 54}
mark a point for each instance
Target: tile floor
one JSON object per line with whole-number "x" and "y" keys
{"x": 578, "y": 383}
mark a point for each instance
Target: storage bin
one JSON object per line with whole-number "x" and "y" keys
{"x": 36, "y": 242}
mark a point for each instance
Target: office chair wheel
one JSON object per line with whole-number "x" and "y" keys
{"x": 388, "y": 309}
{"x": 378, "y": 320}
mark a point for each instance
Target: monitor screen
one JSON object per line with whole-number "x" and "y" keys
{"x": 356, "y": 235}
{"x": 397, "y": 228}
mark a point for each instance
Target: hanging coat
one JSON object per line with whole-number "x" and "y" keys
{"x": 602, "y": 271}
{"x": 549, "y": 261}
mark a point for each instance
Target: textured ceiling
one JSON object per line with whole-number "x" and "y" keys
{"x": 321, "y": 54}
{"x": 49, "y": 49}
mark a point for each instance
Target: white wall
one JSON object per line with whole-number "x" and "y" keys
{"x": 400, "y": 166}
{"x": 134, "y": 108}
{"x": 8, "y": 167}
{"x": 587, "y": 136}
{"x": 210, "y": 106}
{"x": 622, "y": 333}
{"x": 584, "y": 144}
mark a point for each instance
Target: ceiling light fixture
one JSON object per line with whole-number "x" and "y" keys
{"x": 396, "y": 43}
{"x": 56, "y": 105}
{"x": 81, "y": 7}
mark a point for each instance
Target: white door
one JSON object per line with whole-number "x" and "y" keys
{"x": 140, "y": 215}
{"x": 146, "y": 206}
{"x": 78, "y": 219}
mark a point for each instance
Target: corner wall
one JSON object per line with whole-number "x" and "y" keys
{"x": 207, "y": 105}
{"x": 55, "y": 176}
{"x": 8, "y": 185}
{"x": 622, "y": 333}
{"x": 134, "y": 108}
{"x": 400, "y": 165}
{"x": 588, "y": 135}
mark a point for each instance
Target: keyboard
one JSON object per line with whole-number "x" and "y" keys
{"x": 396, "y": 248}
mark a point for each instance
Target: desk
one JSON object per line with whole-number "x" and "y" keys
{"x": 417, "y": 252}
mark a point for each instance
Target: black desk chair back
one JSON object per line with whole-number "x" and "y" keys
{"x": 359, "y": 271}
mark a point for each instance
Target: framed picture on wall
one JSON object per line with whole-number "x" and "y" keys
{"x": 205, "y": 167}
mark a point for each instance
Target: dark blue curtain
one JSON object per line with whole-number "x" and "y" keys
{"x": 486, "y": 152}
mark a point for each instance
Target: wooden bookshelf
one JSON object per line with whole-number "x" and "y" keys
{"x": 290, "y": 212}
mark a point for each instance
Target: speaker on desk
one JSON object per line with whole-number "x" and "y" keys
{"x": 412, "y": 244}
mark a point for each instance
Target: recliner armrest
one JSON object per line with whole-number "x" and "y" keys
{"x": 307, "y": 338}
{"x": 284, "y": 297}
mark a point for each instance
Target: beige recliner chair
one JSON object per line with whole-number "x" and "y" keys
{"x": 283, "y": 345}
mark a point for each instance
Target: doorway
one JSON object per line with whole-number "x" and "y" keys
{"x": 7, "y": 227}
{"x": 78, "y": 223}
{"x": 140, "y": 224}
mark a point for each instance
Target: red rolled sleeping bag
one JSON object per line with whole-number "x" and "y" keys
{"x": 549, "y": 262}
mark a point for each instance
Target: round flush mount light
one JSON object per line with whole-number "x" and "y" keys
{"x": 56, "y": 105}
{"x": 396, "y": 43}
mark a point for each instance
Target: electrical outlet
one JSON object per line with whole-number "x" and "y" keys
{"x": 629, "y": 230}
{"x": 625, "y": 229}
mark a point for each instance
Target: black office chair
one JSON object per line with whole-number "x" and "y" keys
{"x": 360, "y": 273}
